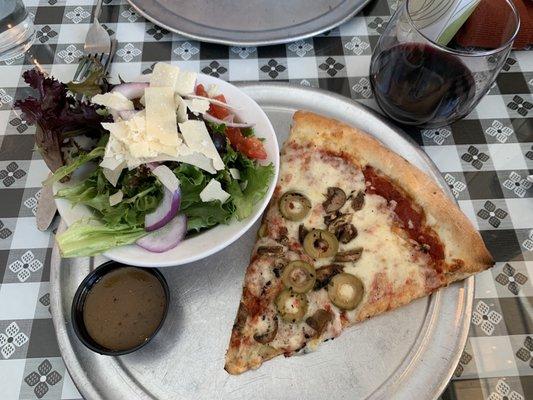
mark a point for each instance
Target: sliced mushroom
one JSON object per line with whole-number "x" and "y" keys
{"x": 341, "y": 219}
{"x": 320, "y": 243}
{"x": 343, "y": 229}
{"x": 329, "y": 218}
{"x": 302, "y": 231}
{"x": 358, "y": 201}
{"x": 268, "y": 335}
{"x": 319, "y": 320}
{"x": 335, "y": 199}
{"x": 325, "y": 273}
{"x": 349, "y": 255}
{"x": 346, "y": 233}
{"x": 294, "y": 206}
{"x": 269, "y": 250}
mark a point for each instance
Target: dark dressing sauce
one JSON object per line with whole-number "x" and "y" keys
{"x": 124, "y": 308}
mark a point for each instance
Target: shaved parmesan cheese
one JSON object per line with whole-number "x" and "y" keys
{"x": 111, "y": 163}
{"x": 197, "y": 138}
{"x": 161, "y": 115}
{"x": 213, "y": 191}
{"x": 235, "y": 173}
{"x": 213, "y": 90}
{"x": 112, "y": 168}
{"x": 198, "y": 106}
{"x": 164, "y": 75}
{"x": 142, "y": 78}
{"x": 113, "y": 100}
{"x": 112, "y": 175}
{"x": 181, "y": 108}
{"x": 194, "y": 158}
{"x": 116, "y": 198}
{"x": 167, "y": 177}
{"x": 198, "y": 160}
{"x": 185, "y": 83}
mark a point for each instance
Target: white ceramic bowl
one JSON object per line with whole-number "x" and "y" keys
{"x": 212, "y": 240}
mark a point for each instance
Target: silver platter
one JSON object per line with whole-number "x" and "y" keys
{"x": 248, "y": 22}
{"x": 404, "y": 354}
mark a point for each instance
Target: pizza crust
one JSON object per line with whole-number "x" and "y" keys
{"x": 465, "y": 252}
{"x": 461, "y": 240}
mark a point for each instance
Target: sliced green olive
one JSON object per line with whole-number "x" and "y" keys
{"x": 320, "y": 243}
{"x": 294, "y": 206}
{"x": 335, "y": 199}
{"x": 345, "y": 291}
{"x": 291, "y": 306}
{"x": 299, "y": 276}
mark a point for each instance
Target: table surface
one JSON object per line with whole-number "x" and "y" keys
{"x": 485, "y": 159}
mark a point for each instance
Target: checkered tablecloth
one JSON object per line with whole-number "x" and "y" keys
{"x": 485, "y": 159}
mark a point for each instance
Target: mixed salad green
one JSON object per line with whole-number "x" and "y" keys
{"x": 71, "y": 135}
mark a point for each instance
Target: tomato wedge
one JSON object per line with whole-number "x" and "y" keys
{"x": 215, "y": 110}
{"x": 251, "y": 147}
{"x": 200, "y": 91}
{"x": 218, "y": 111}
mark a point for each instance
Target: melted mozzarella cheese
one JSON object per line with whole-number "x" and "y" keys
{"x": 385, "y": 252}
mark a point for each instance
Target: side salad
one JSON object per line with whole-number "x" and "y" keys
{"x": 163, "y": 158}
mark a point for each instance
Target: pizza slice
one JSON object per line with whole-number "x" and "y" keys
{"x": 352, "y": 230}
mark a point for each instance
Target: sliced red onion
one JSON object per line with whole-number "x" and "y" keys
{"x": 210, "y": 118}
{"x": 165, "y": 211}
{"x": 152, "y": 165}
{"x": 214, "y": 101}
{"x": 165, "y": 238}
{"x": 127, "y": 115}
{"x": 131, "y": 90}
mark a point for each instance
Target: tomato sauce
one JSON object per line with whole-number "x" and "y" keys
{"x": 413, "y": 220}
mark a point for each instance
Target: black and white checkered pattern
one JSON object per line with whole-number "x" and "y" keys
{"x": 485, "y": 159}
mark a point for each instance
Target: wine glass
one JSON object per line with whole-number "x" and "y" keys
{"x": 16, "y": 29}
{"x": 417, "y": 81}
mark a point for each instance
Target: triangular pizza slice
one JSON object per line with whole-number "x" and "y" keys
{"x": 352, "y": 230}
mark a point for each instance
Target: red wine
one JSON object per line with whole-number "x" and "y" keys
{"x": 418, "y": 84}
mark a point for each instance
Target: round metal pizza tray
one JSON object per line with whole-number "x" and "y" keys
{"x": 248, "y": 22}
{"x": 404, "y": 354}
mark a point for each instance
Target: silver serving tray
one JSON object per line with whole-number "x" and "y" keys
{"x": 404, "y": 354}
{"x": 248, "y": 22}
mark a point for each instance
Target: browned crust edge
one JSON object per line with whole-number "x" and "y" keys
{"x": 461, "y": 239}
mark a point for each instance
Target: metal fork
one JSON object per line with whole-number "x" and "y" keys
{"x": 98, "y": 46}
